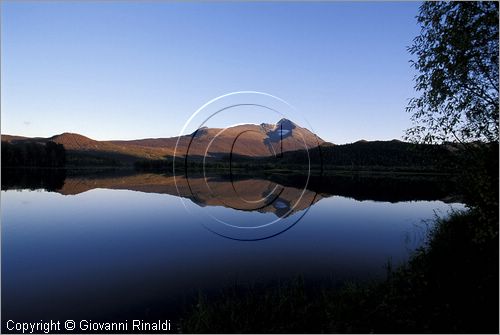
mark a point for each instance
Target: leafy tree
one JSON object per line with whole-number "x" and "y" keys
{"x": 457, "y": 62}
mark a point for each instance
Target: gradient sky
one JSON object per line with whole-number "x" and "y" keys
{"x": 126, "y": 70}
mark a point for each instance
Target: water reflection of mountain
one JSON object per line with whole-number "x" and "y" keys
{"x": 247, "y": 194}
{"x": 275, "y": 193}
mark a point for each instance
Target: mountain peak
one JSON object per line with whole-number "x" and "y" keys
{"x": 285, "y": 124}
{"x": 284, "y": 121}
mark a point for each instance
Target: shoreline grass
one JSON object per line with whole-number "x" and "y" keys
{"x": 449, "y": 285}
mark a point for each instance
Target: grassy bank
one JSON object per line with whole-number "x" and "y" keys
{"x": 449, "y": 285}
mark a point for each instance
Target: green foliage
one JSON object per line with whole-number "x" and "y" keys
{"x": 153, "y": 165}
{"x": 451, "y": 284}
{"x": 33, "y": 154}
{"x": 390, "y": 154}
{"x": 479, "y": 179}
{"x": 378, "y": 155}
{"x": 457, "y": 60}
{"x": 85, "y": 159}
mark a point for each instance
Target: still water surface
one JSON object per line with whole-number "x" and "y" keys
{"x": 141, "y": 246}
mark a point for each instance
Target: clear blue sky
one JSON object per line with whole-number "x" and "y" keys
{"x": 125, "y": 70}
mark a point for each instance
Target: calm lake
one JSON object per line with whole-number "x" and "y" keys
{"x": 120, "y": 245}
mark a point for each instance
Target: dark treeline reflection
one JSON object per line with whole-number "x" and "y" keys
{"x": 33, "y": 179}
{"x": 379, "y": 187}
{"x": 359, "y": 186}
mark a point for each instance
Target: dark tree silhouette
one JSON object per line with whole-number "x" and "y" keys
{"x": 457, "y": 60}
{"x": 33, "y": 154}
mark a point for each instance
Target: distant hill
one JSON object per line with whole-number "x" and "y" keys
{"x": 245, "y": 140}
{"x": 86, "y": 151}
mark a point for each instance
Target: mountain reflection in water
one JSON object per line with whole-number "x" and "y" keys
{"x": 243, "y": 191}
